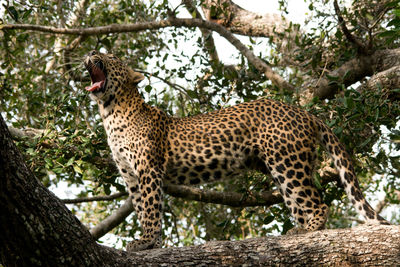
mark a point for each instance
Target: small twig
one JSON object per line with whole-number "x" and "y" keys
{"x": 322, "y": 73}
{"x": 178, "y": 87}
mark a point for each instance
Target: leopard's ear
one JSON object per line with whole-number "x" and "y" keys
{"x": 135, "y": 77}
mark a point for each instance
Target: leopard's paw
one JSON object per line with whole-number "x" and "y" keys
{"x": 296, "y": 231}
{"x": 143, "y": 244}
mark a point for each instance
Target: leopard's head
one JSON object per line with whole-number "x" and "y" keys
{"x": 109, "y": 74}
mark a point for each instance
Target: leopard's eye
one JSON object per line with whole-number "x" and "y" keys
{"x": 111, "y": 56}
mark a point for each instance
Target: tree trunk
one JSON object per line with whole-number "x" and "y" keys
{"x": 36, "y": 227}
{"x": 38, "y": 230}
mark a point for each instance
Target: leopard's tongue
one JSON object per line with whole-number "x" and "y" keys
{"x": 95, "y": 86}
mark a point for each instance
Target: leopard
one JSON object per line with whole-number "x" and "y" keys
{"x": 152, "y": 149}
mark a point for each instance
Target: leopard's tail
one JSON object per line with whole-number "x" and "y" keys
{"x": 343, "y": 164}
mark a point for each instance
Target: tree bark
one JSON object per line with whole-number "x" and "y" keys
{"x": 38, "y": 230}
{"x": 360, "y": 246}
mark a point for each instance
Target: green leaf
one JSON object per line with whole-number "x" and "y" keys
{"x": 369, "y": 17}
{"x": 70, "y": 161}
{"x": 192, "y": 93}
{"x": 287, "y": 225}
{"x": 49, "y": 162}
{"x": 268, "y": 219}
{"x": 148, "y": 88}
{"x": 12, "y": 11}
{"x": 394, "y": 22}
{"x": 77, "y": 169}
{"x": 107, "y": 189}
{"x": 349, "y": 102}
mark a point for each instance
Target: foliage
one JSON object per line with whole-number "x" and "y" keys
{"x": 42, "y": 88}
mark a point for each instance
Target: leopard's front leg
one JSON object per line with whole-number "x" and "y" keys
{"x": 150, "y": 188}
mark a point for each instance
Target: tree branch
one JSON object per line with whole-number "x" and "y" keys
{"x": 236, "y": 19}
{"x": 387, "y": 80}
{"x": 355, "y": 70}
{"x": 358, "y": 246}
{"x": 273, "y": 26}
{"x": 113, "y": 220}
{"x": 347, "y": 74}
{"x": 207, "y": 35}
{"x": 94, "y": 198}
{"x": 360, "y": 46}
{"x": 259, "y": 64}
{"x": 232, "y": 199}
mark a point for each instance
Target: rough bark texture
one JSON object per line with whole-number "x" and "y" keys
{"x": 365, "y": 246}
{"x": 38, "y": 230}
{"x": 236, "y": 19}
{"x": 36, "y": 227}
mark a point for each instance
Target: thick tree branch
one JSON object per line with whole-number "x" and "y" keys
{"x": 273, "y": 26}
{"x": 25, "y": 133}
{"x": 357, "y": 69}
{"x": 236, "y": 19}
{"x": 232, "y": 199}
{"x": 260, "y": 65}
{"x": 387, "y": 80}
{"x": 359, "y": 246}
{"x": 33, "y": 220}
{"x": 386, "y": 59}
{"x": 347, "y": 74}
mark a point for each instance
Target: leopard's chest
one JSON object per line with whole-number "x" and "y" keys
{"x": 121, "y": 141}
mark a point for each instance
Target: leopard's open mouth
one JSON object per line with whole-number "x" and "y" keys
{"x": 97, "y": 74}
